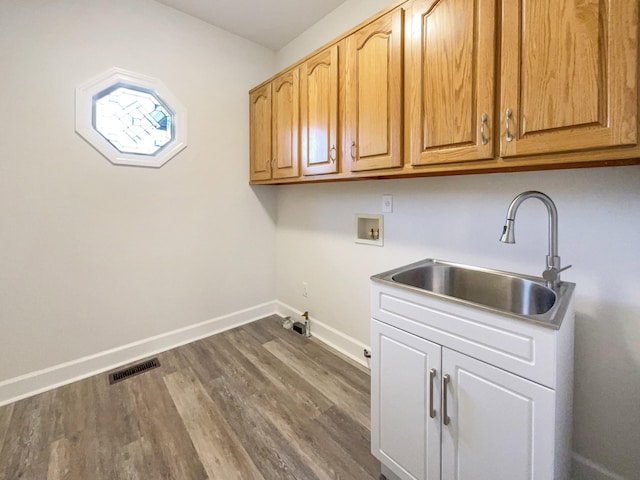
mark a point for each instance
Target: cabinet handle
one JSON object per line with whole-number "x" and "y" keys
{"x": 509, "y": 136}
{"x": 482, "y": 125}
{"x": 432, "y": 375}
{"x": 332, "y": 154}
{"x": 445, "y": 415}
{"x": 353, "y": 151}
{"x": 273, "y": 164}
{"x": 267, "y": 165}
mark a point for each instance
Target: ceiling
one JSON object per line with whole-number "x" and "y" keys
{"x": 271, "y": 23}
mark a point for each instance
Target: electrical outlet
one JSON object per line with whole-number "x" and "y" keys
{"x": 305, "y": 289}
{"x": 387, "y": 203}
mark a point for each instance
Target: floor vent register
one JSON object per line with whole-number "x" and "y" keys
{"x": 133, "y": 370}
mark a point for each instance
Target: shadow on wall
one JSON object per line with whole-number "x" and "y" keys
{"x": 329, "y": 208}
{"x": 607, "y": 361}
{"x": 267, "y": 195}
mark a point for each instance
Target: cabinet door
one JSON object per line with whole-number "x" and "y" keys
{"x": 501, "y": 426}
{"x": 286, "y": 125}
{"x": 569, "y": 75}
{"x": 404, "y": 435}
{"x": 319, "y": 113}
{"x": 451, "y": 81}
{"x": 260, "y": 133}
{"x": 373, "y": 95}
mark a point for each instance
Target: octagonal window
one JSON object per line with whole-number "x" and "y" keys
{"x": 131, "y": 119}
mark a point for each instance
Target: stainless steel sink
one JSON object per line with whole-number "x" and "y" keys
{"x": 516, "y": 295}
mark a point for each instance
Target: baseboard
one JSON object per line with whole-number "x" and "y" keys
{"x": 335, "y": 339}
{"x": 584, "y": 469}
{"x": 24, "y": 386}
{"x": 33, "y": 383}
{"x": 40, "y": 381}
{"x": 388, "y": 473}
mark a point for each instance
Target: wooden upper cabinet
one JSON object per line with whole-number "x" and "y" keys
{"x": 450, "y": 78}
{"x": 437, "y": 87}
{"x": 260, "y": 133}
{"x": 286, "y": 125}
{"x": 319, "y": 113}
{"x": 373, "y": 95}
{"x": 569, "y": 75}
{"x": 275, "y": 128}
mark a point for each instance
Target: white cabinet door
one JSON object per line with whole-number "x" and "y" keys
{"x": 500, "y": 425}
{"x": 405, "y": 386}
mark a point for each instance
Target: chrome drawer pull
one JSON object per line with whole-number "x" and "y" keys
{"x": 432, "y": 375}
{"x": 445, "y": 415}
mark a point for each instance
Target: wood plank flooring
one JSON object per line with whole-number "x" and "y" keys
{"x": 257, "y": 402}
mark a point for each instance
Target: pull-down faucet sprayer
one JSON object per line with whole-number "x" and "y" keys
{"x": 552, "y": 271}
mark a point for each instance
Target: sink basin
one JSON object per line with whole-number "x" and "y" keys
{"x": 517, "y": 295}
{"x": 503, "y": 292}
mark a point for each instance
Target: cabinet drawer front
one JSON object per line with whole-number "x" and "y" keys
{"x": 515, "y": 345}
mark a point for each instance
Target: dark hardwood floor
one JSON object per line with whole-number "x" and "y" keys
{"x": 257, "y": 402}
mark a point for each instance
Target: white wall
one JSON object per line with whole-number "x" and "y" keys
{"x": 343, "y": 18}
{"x": 460, "y": 219}
{"x": 95, "y": 256}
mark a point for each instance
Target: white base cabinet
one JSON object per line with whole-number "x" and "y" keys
{"x": 439, "y": 413}
{"x": 499, "y": 424}
{"x": 403, "y": 434}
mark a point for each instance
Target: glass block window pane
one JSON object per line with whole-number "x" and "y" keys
{"x": 133, "y": 120}
{"x": 130, "y": 118}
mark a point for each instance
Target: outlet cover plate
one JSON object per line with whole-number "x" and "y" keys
{"x": 387, "y": 203}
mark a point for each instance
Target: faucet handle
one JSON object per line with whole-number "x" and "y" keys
{"x": 553, "y": 274}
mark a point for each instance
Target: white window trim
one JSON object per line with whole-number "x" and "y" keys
{"x": 84, "y": 117}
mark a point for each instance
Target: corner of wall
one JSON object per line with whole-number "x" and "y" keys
{"x": 346, "y": 345}
{"x": 33, "y": 383}
{"x": 334, "y": 24}
{"x": 584, "y": 469}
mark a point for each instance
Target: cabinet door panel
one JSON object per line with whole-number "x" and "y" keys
{"x": 500, "y": 424}
{"x": 450, "y": 80}
{"x": 403, "y": 435}
{"x": 319, "y": 112}
{"x": 260, "y": 133}
{"x": 373, "y": 81}
{"x": 286, "y": 128}
{"x": 569, "y": 75}
{"x": 373, "y": 94}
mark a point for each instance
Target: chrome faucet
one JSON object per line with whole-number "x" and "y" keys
{"x": 552, "y": 271}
